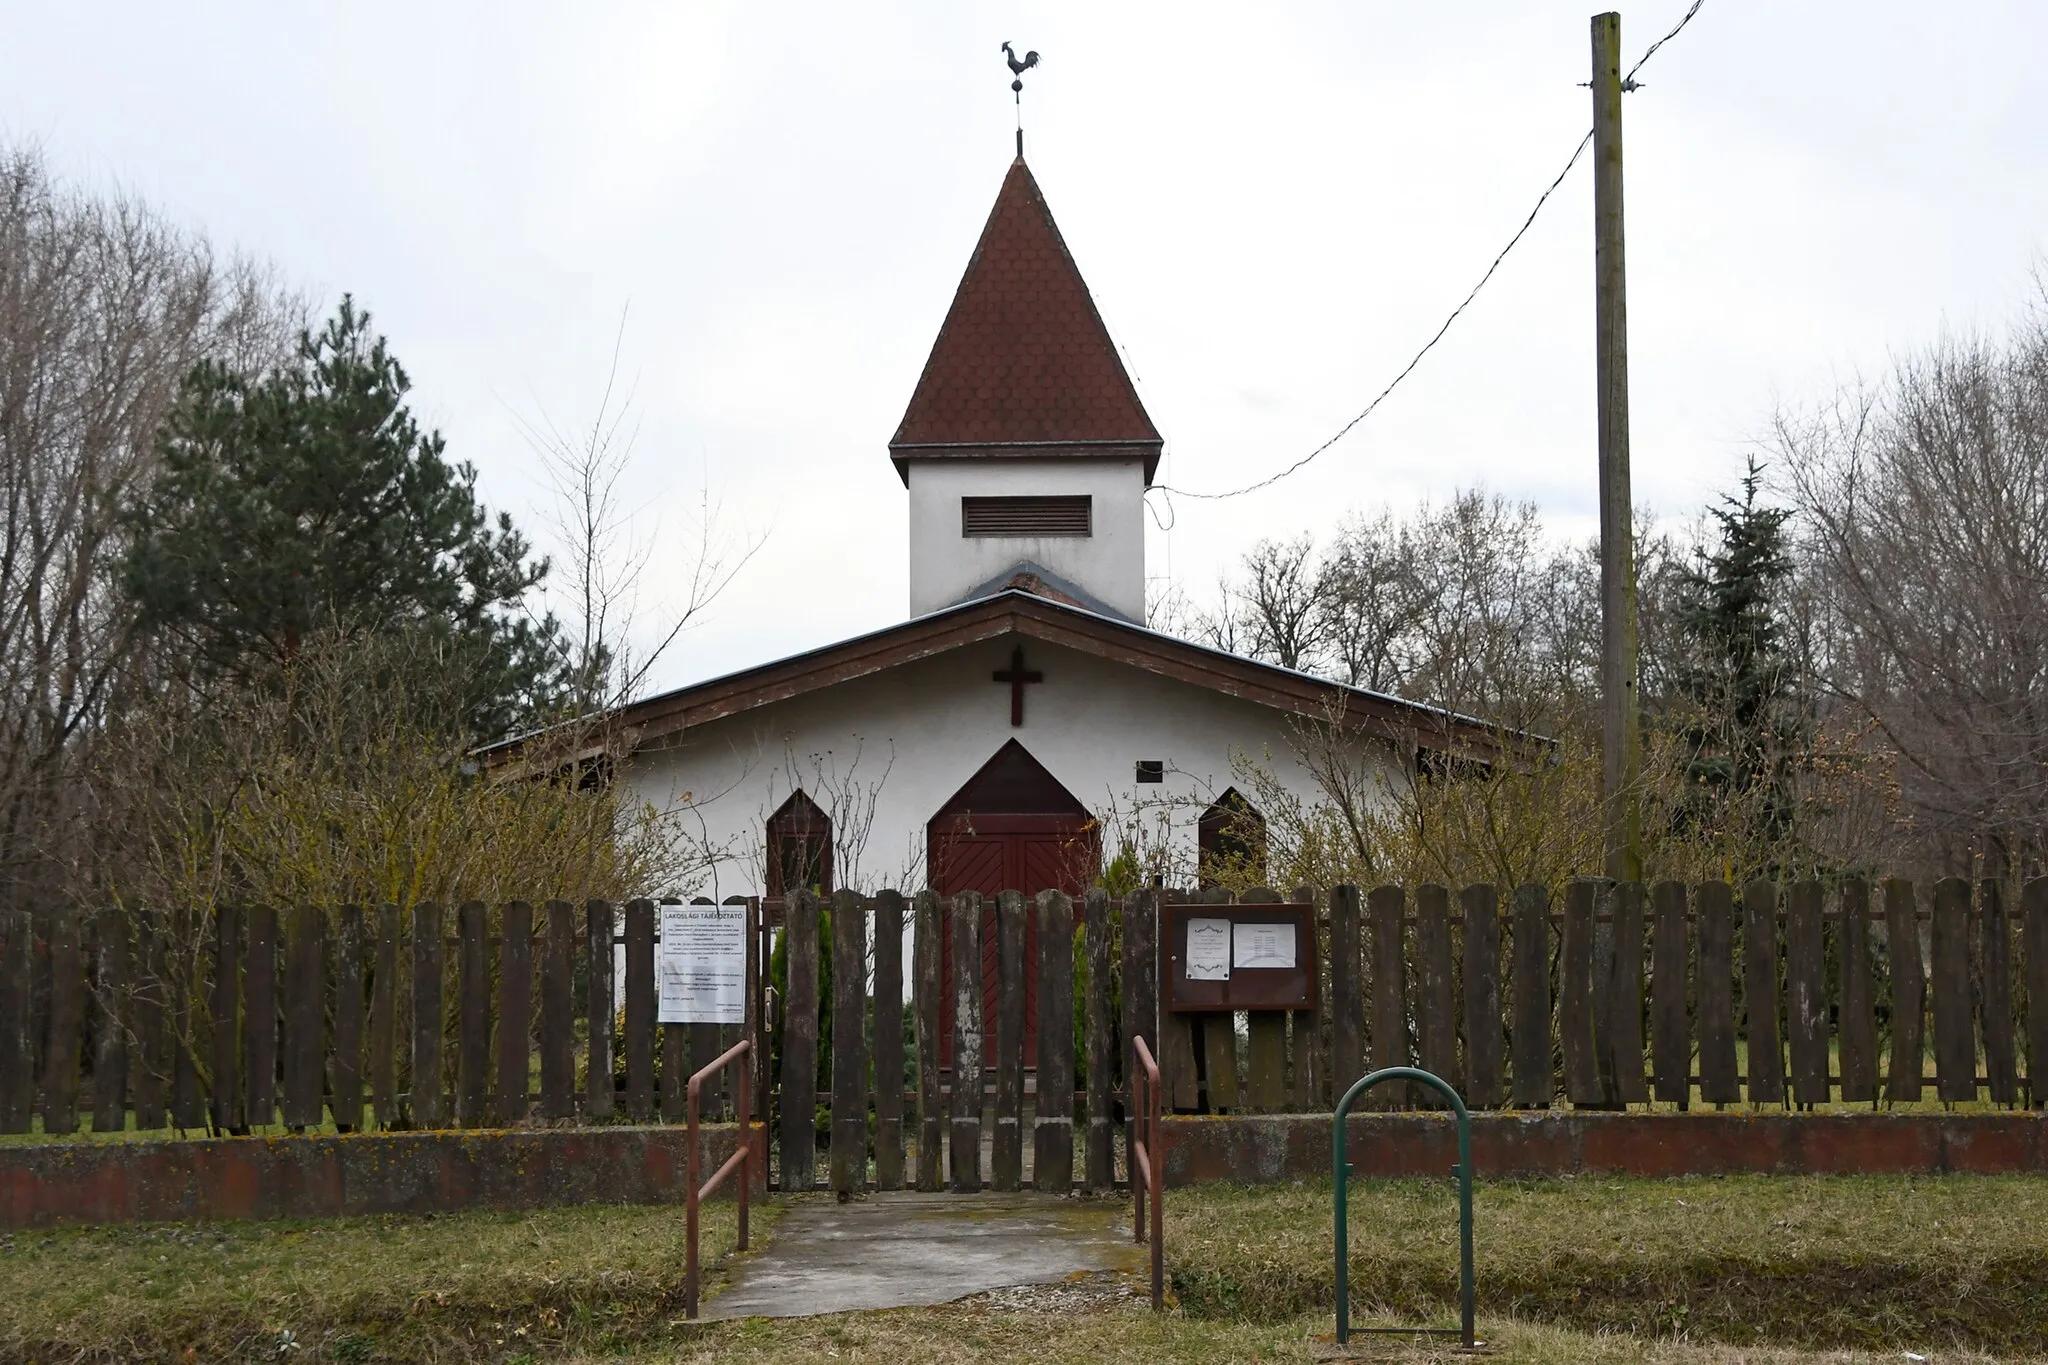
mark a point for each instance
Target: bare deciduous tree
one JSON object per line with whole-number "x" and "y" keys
{"x": 1924, "y": 504}
{"x": 104, "y": 307}
{"x": 605, "y": 549}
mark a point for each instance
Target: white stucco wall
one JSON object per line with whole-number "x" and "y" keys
{"x": 944, "y": 564}
{"x": 907, "y": 739}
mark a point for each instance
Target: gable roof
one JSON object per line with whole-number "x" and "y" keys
{"x": 1016, "y": 612}
{"x": 1023, "y": 364}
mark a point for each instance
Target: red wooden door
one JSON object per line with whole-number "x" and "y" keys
{"x": 996, "y": 853}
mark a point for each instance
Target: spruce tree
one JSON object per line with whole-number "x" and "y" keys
{"x": 1742, "y": 724}
{"x": 309, "y": 499}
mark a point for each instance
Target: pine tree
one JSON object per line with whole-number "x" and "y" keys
{"x": 1743, "y": 721}
{"x": 308, "y": 499}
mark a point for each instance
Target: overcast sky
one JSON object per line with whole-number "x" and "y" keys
{"x": 1274, "y": 205}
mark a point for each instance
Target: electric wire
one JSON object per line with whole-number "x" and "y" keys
{"x": 1169, "y": 491}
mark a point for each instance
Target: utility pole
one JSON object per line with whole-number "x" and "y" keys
{"x": 1621, "y": 735}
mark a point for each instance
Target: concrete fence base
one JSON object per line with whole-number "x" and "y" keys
{"x": 78, "y": 1183}
{"x": 1253, "y": 1150}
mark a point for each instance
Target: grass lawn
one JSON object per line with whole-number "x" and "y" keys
{"x": 1706, "y": 1270}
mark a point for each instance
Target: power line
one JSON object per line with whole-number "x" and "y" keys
{"x": 1455, "y": 313}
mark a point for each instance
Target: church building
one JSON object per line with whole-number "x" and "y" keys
{"x": 1022, "y": 720}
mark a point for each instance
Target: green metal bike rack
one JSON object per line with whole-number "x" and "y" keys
{"x": 1342, "y": 1170}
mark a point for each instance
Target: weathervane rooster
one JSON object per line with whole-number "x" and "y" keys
{"x": 1017, "y": 68}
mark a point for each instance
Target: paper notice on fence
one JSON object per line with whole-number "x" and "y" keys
{"x": 1263, "y": 945}
{"x": 1208, "y": 950}
{"x": 701, "y": 964}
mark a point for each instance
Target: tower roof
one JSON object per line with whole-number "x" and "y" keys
{"x": 1023, "y": 365}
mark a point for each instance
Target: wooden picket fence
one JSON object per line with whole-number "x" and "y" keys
{"x": 1602, "y": 997}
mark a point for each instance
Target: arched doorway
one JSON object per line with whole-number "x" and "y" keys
{"x": 1011, "y": 827}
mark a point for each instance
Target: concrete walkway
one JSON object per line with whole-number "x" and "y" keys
{"x": 903, "y": 1250}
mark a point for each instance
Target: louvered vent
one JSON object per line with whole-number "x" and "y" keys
{"x": 1017, "y": 517}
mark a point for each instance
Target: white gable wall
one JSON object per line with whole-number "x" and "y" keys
{"x": 945, "y": 565}
{"x": 901, "y": 742}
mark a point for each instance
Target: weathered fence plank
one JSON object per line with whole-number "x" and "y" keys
{"x": 753, "y": 1026}
{"x": 1144, "y": 1004}
{"x": 1435, "y": 1017}
{"x": 1215, "y": 1036}
{"x": 67, "y": 1020}
{"x": 17, "y": 1053}
{"x": 1386, "y": 907}
{"x": 706, "y": 1047}
{"x": 1180, "y": 1035}
{"x": 1858, "y": 1003}
{"x": 673, "y": 1039}
{"x": 1575, "y": 996}
{"x": 2034, "y": 941}
{"x": 600, "y": 1086}
{"x": 927, "y": 967}
{"x": 1347, "y": 993}
{"x": 849, "y": 1043}
{"x": 1305, "y": 1033}
{"x": 472, "y": 1014}
{"x": 226, "y": 1005}
{"x": 640, "y": 1011}
{"x": 1760, "y": 995}
{"x": 515, "y": 1010}
{"x": 426, "y": 1090}
{"x": 1806, "y": 1000}
{"x": 305, "y": 1017}
{"x": 384, "y": 1019}
{"x": 965, "y": 1146}
{"x": 558, "y": 1013}
{"x": 1908, "y": 1061}
{"x": 2001, "y": 1066}
{"x": 260, "y": 1020}
{"x": 1006, "y": 1150}
{"x": 889, "y": 1041}
{"x": 1530, "y": 1080}
{"x": 1099, "y": 1166}
{"x": 1622, "y": 1057}
{"x": 1052, "y": 1134}
{"x": 799, "y": 1043}
{"x": 146, "y": 1064}
{"x": 673, "y": 1072}
{"x": 1264, "y": 1088}
{"x": 188, "y": 1103}
{"x": 345, "y": 1079}
{"x": 1482, "y": 1075}
{"x": 1955, "y": 1040}
{"x": 110, "y": 1053}
{"x": 1670, "y": 1050}
{"x": 1715, "y": 905}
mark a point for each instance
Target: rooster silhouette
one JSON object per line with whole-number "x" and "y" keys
{"x": 1018, "y": 68}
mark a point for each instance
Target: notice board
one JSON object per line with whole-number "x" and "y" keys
{"x": 701, "y": 965}
{"x": 1223, "y": 958}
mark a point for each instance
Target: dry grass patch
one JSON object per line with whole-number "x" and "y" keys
{"x": 1860, "y": 1262}
{"x": 468, "y": 1286}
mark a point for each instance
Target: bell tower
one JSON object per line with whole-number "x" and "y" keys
{"x": 1025, "y": 448}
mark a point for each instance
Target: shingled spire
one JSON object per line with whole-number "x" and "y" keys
{"x": 1023, "y": 365}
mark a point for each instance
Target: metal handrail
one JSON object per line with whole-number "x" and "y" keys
{"x": 741, "y": 1159}
{"x": 1342, "y": 1168}
{"x": 1147, "y": 1161}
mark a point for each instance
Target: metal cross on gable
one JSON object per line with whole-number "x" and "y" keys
{"x": 1016, "y": 675}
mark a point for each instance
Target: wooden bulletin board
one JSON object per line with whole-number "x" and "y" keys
{"x": 1261, "y": 937}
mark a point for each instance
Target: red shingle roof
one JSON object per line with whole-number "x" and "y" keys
{"x": 1023, "y": 359}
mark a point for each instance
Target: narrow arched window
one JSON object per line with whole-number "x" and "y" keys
{"x": 1231, "y": 839}
{"x": 799, "y": 853}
